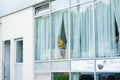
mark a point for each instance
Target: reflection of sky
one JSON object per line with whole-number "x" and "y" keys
{"x": 8, "y": 6}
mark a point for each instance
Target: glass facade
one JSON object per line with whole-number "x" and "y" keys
{"x": 107, "y": 28}
{"x": 78, "y": 40}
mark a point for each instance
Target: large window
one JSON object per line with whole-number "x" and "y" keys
{"x": 82, "y": 32}
{"x": 79, "y": 31}
{"x": 60, "y": 35}
{"x": 42, "y": 38}
{"x": 107, "y": 28}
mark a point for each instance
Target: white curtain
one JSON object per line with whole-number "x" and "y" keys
{"x": 83, "y": 34}
{"x": 65, "y": 15}
{"x": 56, "y": 24}
{"x": 116, "y": 9}
{"x": 87, "y": 33}
{"x": 38, "y": 42}
{"x": 58, "y": 19}
{"x": 42, "y": 39}
{"x": 76, "y": 33}
{"x": 91, "y": 41}
{"x": 105, "y": 30}
{"x": 47, "y": 54}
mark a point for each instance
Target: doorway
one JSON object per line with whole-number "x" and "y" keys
{"x": 6, "y": 60}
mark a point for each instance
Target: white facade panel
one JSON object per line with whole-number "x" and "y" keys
{"x": 14, "y": 26}
{"x": 8, "y": 6}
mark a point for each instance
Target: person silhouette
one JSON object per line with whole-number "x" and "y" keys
{"x": 111, "y": 77}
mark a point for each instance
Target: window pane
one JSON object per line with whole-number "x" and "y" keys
{"x": 82, "y": 32}
{"x": 60, "y": 35}
{"x": 19, "y": 51}
{"x": 42, "y": 38}
{"x": 107, "y": 31}
{"x": 42, "y": 8}
{"x": 59, "y": 4}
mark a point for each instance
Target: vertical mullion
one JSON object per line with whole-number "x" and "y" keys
{"x": 50, "y": 18}
{"x": 69, "y": 29}
{"x": 94, "y": 27}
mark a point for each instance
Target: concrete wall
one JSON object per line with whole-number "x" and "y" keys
{"x": 19, "y": 25}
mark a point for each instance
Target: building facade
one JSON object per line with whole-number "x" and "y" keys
{"x": 61, "y": 40}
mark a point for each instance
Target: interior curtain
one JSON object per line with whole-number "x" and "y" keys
{"x": 105, "y": 30}
{"x": 43, "y": 38}
{"x": 87, "y": 39}
{"x": 65, "y": 15}
{"x": 116, "y": 6}
{"x": 47, "y": 54}
{"x": 90, "y": 30}
{"x": 76, "y": 33}
{"x": 38, "y": 39}
{"x": 57, "y": 25}
{"x": 83, "y": 34}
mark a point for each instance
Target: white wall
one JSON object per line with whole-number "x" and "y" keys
{"x": 17, "y": 25}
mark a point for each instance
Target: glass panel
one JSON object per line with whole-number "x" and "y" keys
{"x": 82, "y": 76}
{"x": 74, "y": 2}
{"x": 39, "y": 9}
{"x": 82, "y": 32}
{"x": 60, "y": 35}
{"x": 107, "y": 31}
{"x": 61, "y": 66}
{"x": 42, "y": 67}
{"x": 59, "y": 4}
{"x": 108, "y": 76}
{"x": 42, "y": 38}
{"x": 60, "y": 76}
{"x": 19, "y": 51}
